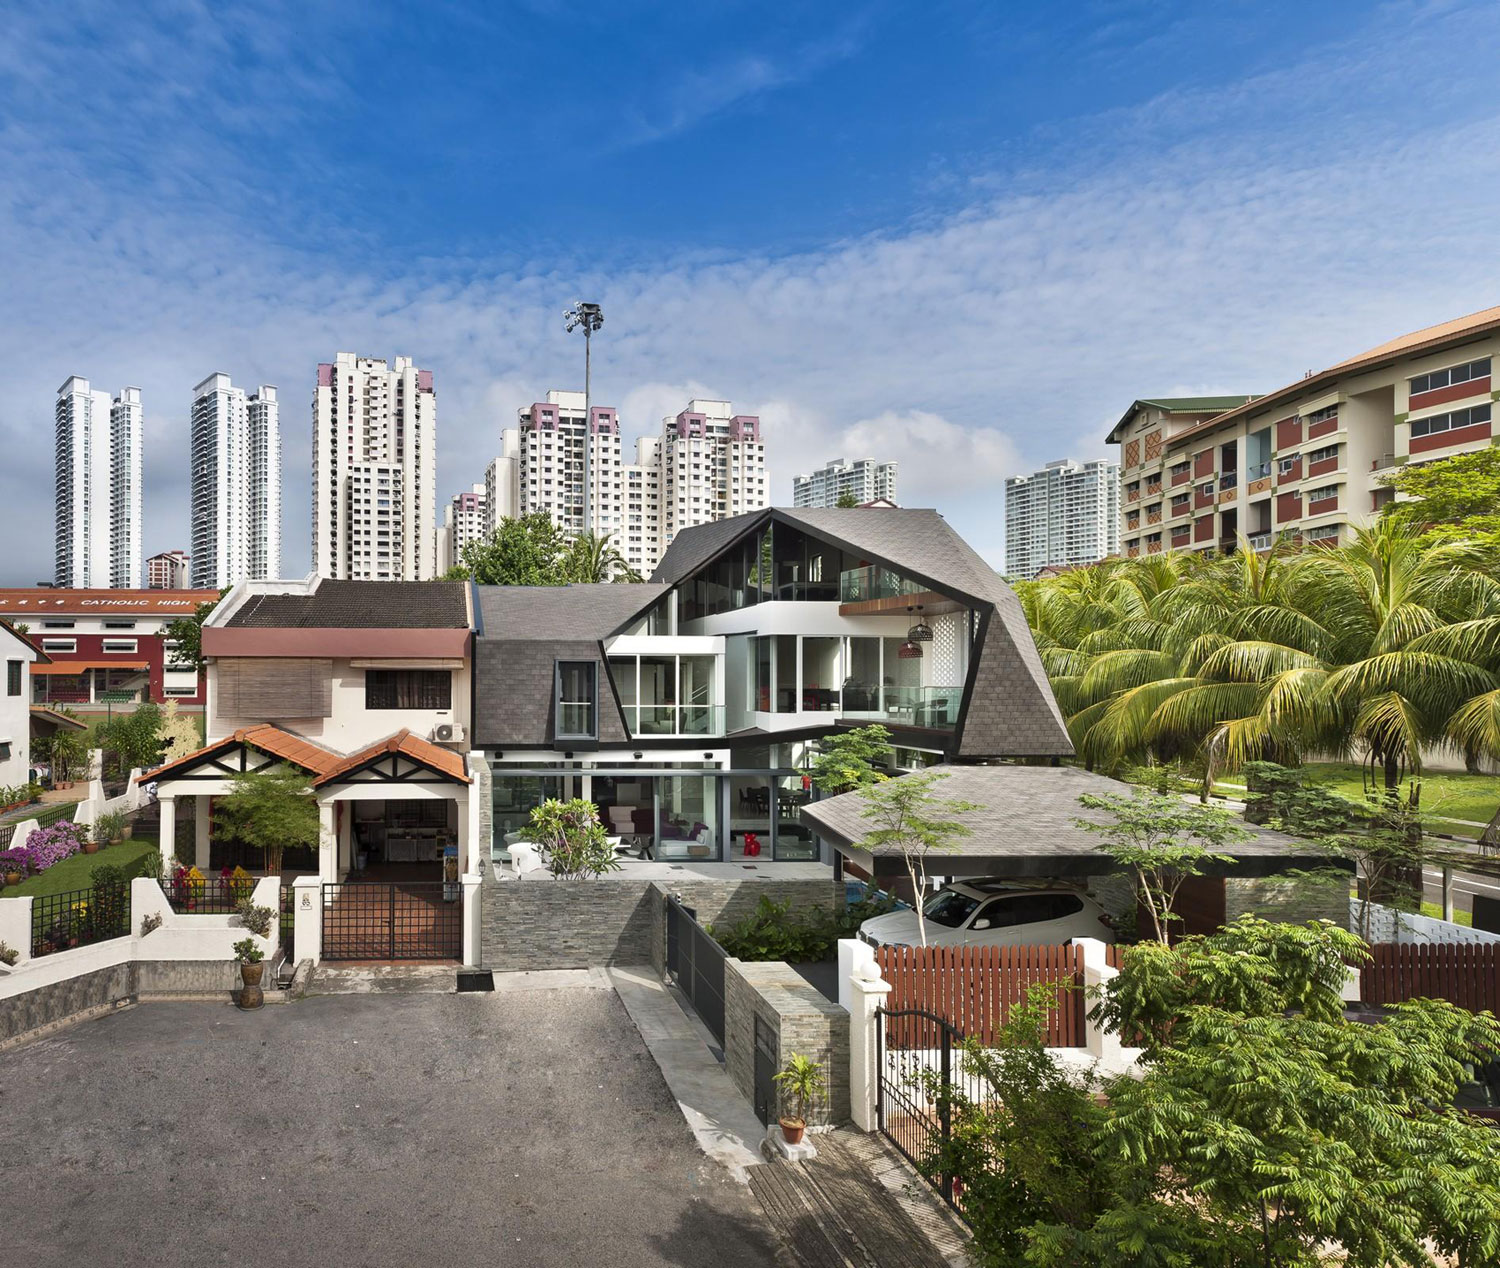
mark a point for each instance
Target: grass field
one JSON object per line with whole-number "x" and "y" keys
{"x": 74, "y": 873}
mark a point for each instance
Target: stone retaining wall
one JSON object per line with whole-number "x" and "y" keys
{"x": 549, "y": 924}
{"x": 802, "y": 1019}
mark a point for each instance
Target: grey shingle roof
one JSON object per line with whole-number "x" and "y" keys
{"x": 547, "y": 613}
{"x": 355, "y": 605}
{"x": 1011, "y": 711}
{"x": 1025, "y": 823}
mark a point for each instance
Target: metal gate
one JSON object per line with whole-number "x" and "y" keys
{"x": 767, "y": 1062}
{"x": 287, "y": 923}
{"x": 696, "y": 962}
{"x": 917, "y": 1071}
{"x": 374, "y": 920}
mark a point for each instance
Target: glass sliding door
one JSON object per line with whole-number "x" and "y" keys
{"x": 821, "y": 677}
{"x": 795, "y": 842}
{"x": 860, "y": 691}
{"x": 687, "y": 814}
{"x": 658, "y": 698}
{"x": 695, "y": 696}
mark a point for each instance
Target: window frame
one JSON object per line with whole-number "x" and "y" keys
{"x": 14, "y": 677}
{"x": 374, "y": 690}
{"x": 559, "y": 667}
{"x": 1447, "y": 420}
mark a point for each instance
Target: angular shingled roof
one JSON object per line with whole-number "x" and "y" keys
{"x": 547, "y": 613}
{"x": 1011, "y": 711}
{"x": 355, "y": 605}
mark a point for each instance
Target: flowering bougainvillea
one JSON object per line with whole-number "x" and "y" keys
{"x": 50, "y": 845}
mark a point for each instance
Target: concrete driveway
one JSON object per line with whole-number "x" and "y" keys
{"x": 517, "y": 1129}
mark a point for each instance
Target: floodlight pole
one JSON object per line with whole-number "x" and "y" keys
{"x": 590, "y": 317}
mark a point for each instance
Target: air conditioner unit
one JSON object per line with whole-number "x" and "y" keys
{"x": 448, "y": 733}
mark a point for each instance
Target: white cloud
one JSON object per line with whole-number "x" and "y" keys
{"x": 1005, "y": 333}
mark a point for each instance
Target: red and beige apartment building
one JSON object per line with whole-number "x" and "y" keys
{"x": 1308, "y": 461}
{"x": 107, "y": 648}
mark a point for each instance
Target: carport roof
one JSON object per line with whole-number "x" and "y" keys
{"x": 1026, "y": 824}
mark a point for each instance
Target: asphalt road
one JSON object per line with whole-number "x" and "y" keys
{"x": 1465, "y": 886}
{"x": 521, "y": 1129}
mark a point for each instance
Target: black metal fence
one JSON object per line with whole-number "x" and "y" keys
{"x": 79, "y": 918}
{"x": 208, "y": 895}
{"x": 411, "y": 920}
{"x": 696, "y": 962}
{"x": 919, "y": 1066}
{"x": 288, "y": 921}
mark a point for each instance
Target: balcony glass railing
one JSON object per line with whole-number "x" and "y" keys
{"x": 935, "y": 707}
{"x": 861, "y": 584}
{"x": 675, "y": 719}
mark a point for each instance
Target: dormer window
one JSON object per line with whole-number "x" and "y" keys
{"x": 577, "y": 700}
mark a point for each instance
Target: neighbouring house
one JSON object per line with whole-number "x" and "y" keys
{"x": 21, "y": 658}
{"x": 1026, "y": 827}
{"x": 361, "y": 685}
{"x": 687, "y": 708}
{"x": 107, "y": 649}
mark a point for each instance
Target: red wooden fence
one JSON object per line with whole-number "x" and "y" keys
{"x": 975, "y": 988}
{"x": 1466, "y": 975}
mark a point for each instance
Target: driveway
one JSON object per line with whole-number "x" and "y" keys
{"x": 520, "y": 1129}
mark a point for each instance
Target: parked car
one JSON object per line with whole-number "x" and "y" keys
{"x": 995, "y": 913}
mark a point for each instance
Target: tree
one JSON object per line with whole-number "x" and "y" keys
{"x": 133, "y": 739}
{"x": 908, "y": 817}
{"x": 1452, "y": 499}
{"x": 1161, "y": 841}
{"x": 1267, "y": 1129}
{"x": 847, "y": 760}
{"x": 572, "y": 838}
{"x": 593, "y": 557}
{"x": 524, "y": 551}
{"x": 269, "y": 809}
{"x": 178, "y": 734}
{"x": 845, "y": 501}
{"x": 187, "y": 633}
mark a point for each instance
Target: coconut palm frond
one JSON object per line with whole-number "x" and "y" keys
{"x": 1295, "y": 704}
{"x": 1200, "y": 649}
{"x": 1403, "y": 623}
{"x": 1475, "y": 727}
{"x": 1436, "y": 684}
{"x": 1120, "y": 731}
{"x": 1477, "y": 641}
{"x": 1393, "y": 727}
{"x": 1249, "y": 661}
{"x": 1081, "y": 723}
{"x": 1273, "y": 623}
{"x": 1190, "y": 716}
{"x": 1113, "y": 672}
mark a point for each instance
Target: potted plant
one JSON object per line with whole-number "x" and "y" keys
{"x": 248, "y": 956}
{"x": 91, "y": 838}
{"x": 800, "y": 1081}
{"x": 13, "y": 864}
{"x": 111, "y": 828}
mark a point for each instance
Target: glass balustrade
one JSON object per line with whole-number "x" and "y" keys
{"x": 858, "y": 585}
{"x": 675, "y": 719}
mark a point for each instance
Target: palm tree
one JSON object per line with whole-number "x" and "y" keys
{"x": 593, "y": 557}
{"x": 1386, "y": 646}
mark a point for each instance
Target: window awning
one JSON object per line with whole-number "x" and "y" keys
{"x": 78, "y": 666}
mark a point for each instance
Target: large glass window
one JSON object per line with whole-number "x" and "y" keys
{"x": 903, "y": 682}
{"x": 695, "y": 696}
{"x": 658, "y": 699}
{"x": 821, "y": 678}
{"x": 687, "y": 817}
{"x": 765, "y": 676}
{"x": 577, "y": 700}
{"x": 861, "y": 685}
{"x": 751, "y": 798}
{"x": 408, "y": 689}
{"x": 786, "y": 672}
{"x": 794, "y": 839}
{"x": 514, "y": 797}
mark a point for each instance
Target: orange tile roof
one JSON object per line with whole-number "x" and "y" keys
{"x": 268, "y": 739}
{"x": 52, "y": 715}
{"x": 1443, "y": 331}
{"x": 408, "y": 745}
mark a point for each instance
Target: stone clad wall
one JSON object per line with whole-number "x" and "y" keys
{"x": 1293, "y": 900}
{"x": 542, "y": 923}
{"x": 803, "y": 1020}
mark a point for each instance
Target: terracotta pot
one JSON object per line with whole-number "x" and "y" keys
{"x": 251, "y": 996}
{"x": 13, "y": 878}
{"x": 792, "y": 1129}
{"x": 91, "y": 847}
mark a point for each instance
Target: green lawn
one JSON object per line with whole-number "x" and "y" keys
{"x": 74, "y": 873}
{"x": 1436, "y": 912}
{"x": 1447, "y": 796}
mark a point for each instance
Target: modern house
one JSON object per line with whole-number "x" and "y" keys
{"x": 364, "y": 687}
{"x": 687, "y": 708}
{"x": 107, "y": 648}
{"x": 1308, "y": 460}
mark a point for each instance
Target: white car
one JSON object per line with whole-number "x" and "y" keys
{"x": 994, "y": 913}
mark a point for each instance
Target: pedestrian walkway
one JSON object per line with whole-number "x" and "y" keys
{"x": 724, "y": 1124}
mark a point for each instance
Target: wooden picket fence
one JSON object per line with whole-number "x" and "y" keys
{"x": 1464, "y": 974}
{"x": 975, "y": 988}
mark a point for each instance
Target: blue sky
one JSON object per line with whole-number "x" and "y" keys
{"x": 960, "y": 235}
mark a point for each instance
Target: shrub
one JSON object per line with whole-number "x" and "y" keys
{"x": 771, "y": 932}
{"x": 111, "y": 897}
{"x": 570, "y": 835}
{"x": 247, "y": 952}
{"x": 53, "y": 844}
{"x": 150, "y": 923}
{"x": 15, "y": 859}
{"x": 8, "y": 954}
{"x": 109, "y": 827}
{"x": 256, "y": 919}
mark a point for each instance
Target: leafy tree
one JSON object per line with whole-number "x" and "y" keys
{"x": 1282, "y": 797}
{"x": 187, "y": 632}
{"x": 178, "y": 734}
{"x": 1161, "y": 840}
{"x": 269, "y": 809}
{"x": 908, "y": 816}
{"x": 571, "y": 836}
{"x": 850, "y": 759}
{"x": 524, "y": 551}
{"x": 845, "y": 500}
{"x": 133, "y": 739}
{"x": 67, "y": 751}
{"x": 1452, "y": 499}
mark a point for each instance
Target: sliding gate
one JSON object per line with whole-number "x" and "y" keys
{"x": 376, "y": 920}
{"x": 696, "y": 962}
